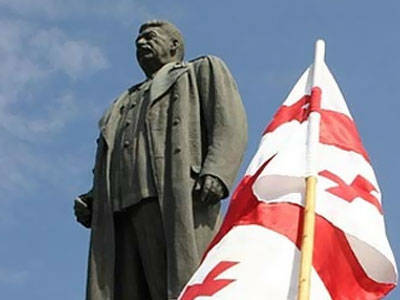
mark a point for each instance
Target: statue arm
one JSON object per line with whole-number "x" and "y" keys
{"x": 83, "y": 203}
{"x": 224, "y": 119}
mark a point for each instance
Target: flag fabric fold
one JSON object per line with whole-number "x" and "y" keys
{"x": 256, "y": 253}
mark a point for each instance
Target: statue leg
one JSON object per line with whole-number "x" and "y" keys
{"x": 146, "y": 220}
{"x": 130, "y": 282}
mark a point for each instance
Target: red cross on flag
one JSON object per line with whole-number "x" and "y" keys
{"x": 256, "y": 253}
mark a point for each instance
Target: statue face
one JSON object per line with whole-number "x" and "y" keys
{"x": 153, "y": 49}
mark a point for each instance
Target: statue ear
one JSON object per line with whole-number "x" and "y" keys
{"x": 175, "y": 44}
{"x": 174, "y": 47}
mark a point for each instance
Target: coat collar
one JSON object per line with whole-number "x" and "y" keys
{"x": 165, "y": 78}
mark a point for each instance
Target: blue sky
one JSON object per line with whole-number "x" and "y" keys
{"x": 63, "y": 62}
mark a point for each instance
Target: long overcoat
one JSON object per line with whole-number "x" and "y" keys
{"x": 196, "y": 125}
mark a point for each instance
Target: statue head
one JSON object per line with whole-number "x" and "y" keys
{"x": 158, "y": 43}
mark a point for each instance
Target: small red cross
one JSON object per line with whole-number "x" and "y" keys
{"x": 210, "y": 285}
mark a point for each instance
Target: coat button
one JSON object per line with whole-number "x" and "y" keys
{"x": 126, "y": 143}
{"x": 127, "y": 123}
{"x": 176, "y": 121}
{"x": 150, "y": 116}
{"x": 175, "y": 97}
{"x": 177, "y": 150}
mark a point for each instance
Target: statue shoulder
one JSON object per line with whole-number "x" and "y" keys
{"x": 205, "y": 65}
{"x": 206, "y": 59}
{"x": 135, "y": 87}
{"x": 127, "y": 92}
{"x": 106, "y": 115}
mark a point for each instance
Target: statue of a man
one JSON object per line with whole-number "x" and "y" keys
{"x": 168, "y": 152}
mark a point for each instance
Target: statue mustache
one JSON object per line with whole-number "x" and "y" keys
{"x": 143, "y": 49}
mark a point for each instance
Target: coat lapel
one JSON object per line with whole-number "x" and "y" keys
{"x": 165, "y": 78}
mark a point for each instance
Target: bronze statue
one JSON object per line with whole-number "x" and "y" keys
{"x": 168, "y": 152}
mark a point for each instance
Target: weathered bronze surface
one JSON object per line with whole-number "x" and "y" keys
{"x": 169, "y": 150}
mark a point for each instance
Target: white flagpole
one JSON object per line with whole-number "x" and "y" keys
{"x": 307, "y": 244}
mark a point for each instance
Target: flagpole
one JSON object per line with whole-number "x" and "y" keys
{"x": 307, "y": 243}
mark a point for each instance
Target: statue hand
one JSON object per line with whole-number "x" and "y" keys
{"x": 83, "y": 209}
{"x": 210, "y": 189}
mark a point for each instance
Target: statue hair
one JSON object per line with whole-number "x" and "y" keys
{"x": 172, "y": 30}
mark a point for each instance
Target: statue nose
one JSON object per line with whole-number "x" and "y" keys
{"x": 140, "y": 42}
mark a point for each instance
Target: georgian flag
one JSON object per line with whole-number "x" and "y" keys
{"x": 256, "y": 253}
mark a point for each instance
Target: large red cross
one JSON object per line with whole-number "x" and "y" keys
{"x": 360, "y": 187}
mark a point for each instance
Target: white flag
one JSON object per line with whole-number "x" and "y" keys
{"x": 256, "y": 253}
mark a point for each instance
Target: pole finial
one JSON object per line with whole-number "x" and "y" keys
{"x": 319, "y": 51}
{"x": 319, "y": 60}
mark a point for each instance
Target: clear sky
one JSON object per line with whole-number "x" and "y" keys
{"x": 63, "y": 62}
